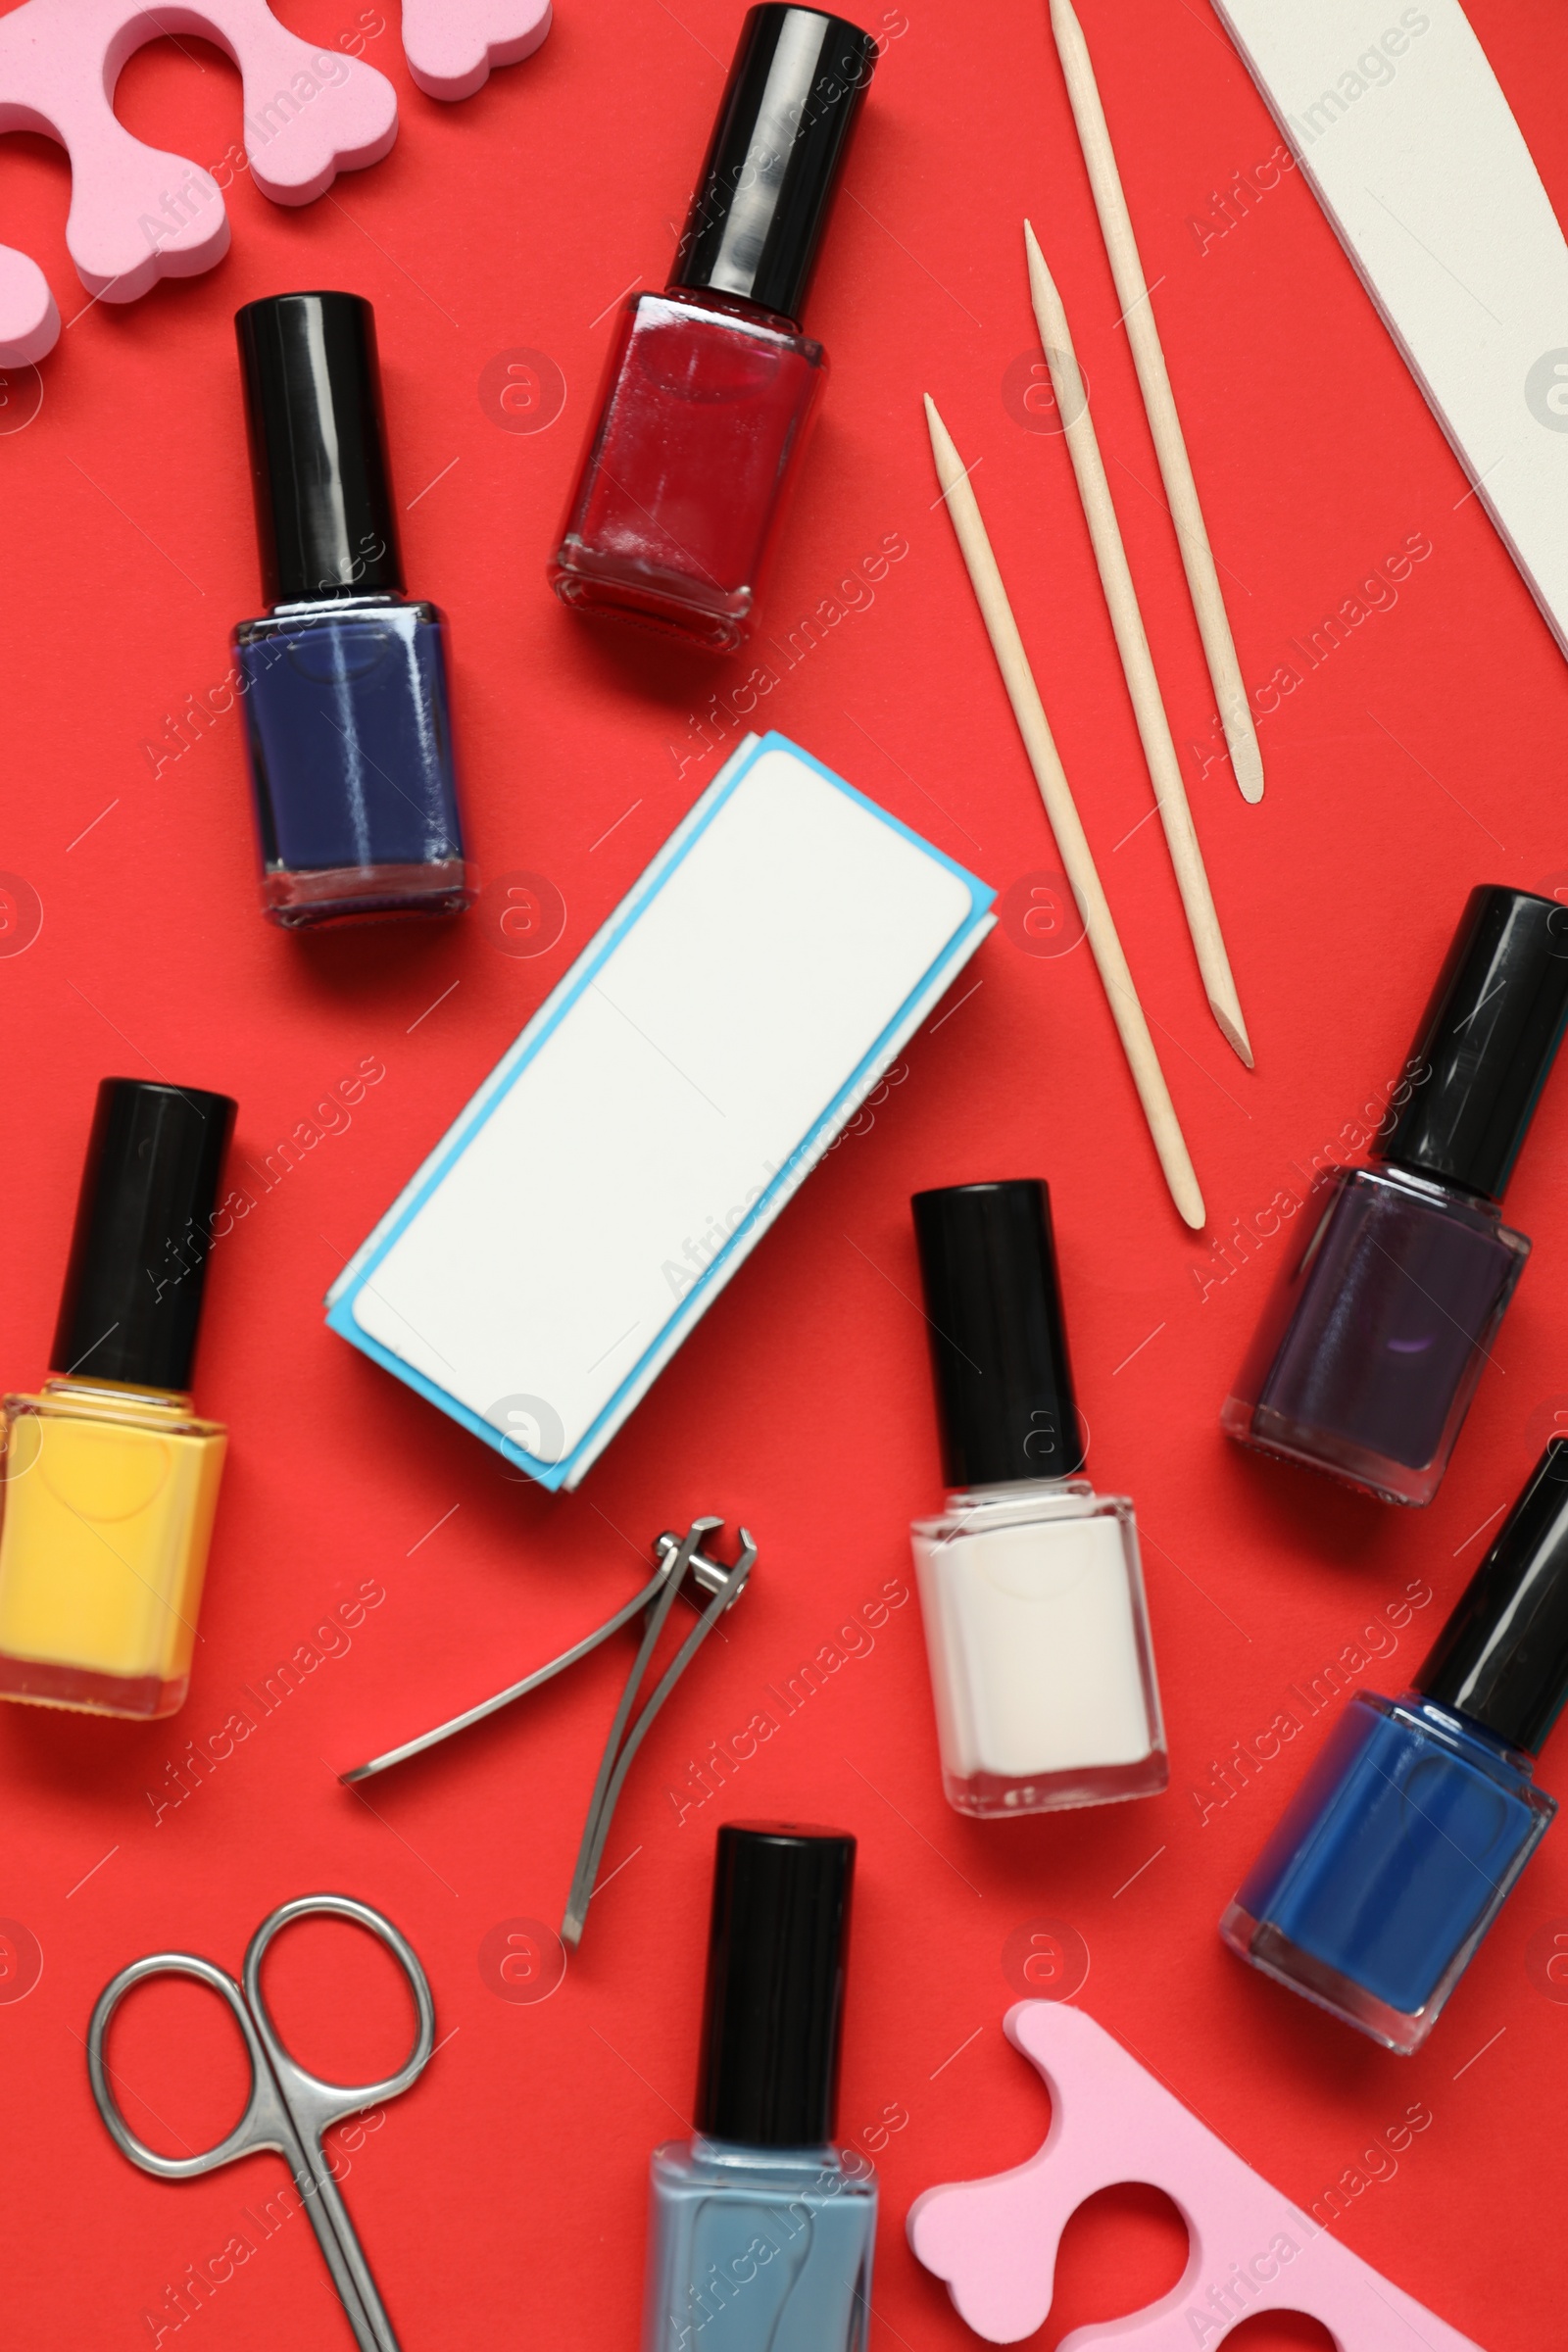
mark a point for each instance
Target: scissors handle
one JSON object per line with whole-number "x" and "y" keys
{"x": 265, "y": 2123}
{"x": 315, "y": 2106}
{"x": 289, "y": 2109}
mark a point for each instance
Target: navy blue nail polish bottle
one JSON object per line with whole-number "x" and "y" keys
{"x": 1408, "y": 1834}
{"x": 1388, "y": 1297}
{"x": 344, "y": 680}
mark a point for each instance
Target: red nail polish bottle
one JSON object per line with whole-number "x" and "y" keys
{"x": 711, "y": 385}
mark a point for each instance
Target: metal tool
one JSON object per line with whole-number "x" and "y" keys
{"x": 678, "y": 1557}
{"x": 289, "y": 2111}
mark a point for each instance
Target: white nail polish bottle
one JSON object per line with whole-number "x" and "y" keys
{"x": 1042, "y": 1666}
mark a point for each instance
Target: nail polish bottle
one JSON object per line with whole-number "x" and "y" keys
{"x": 108, "y": 1480}
{"x": 1036, "y": 1627}
{"x": 1399, "y": 1847}
{"x": 1397, "y": 1274}
{"x": 344, "y": 680}
{"x": 761, "y": 2231}
{"x": 711, "y": 386}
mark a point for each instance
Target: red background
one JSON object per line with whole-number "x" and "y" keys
{"x": 502, "y": 2200}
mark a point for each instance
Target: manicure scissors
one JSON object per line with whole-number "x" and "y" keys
{"x": 289, "y": 2110}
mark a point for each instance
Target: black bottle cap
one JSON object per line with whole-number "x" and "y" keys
{"x": 325, "y": 516}
{"x": 1487, "y": 1042}
{"x": 132, "y": 1299}
{"x": 773, "y": 162}
{"x": 774, "y": 2008}
{"x": 999, "y": 1347}
{"x": 1502, "y": 1657}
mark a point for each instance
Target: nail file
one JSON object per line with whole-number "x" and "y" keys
{"x": 1250, "y": 2249}
{"x": 664, "y": 1104}
{"x": 1398, "y": 124}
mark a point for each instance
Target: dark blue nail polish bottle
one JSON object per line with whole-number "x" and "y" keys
{"x": 344, "y": 680}
{"x": 1408, "y": 1834}
{"x": 1398, "y": 1275}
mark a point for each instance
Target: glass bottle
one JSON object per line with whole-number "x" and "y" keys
{"x": 758, "y": 2249}
{"x": 761, "y": 2231}
{"x": 344, "y": 680}
{"x": 108, "y": 1478}
{"x": 711, "y": 387}
{"x": 1385, "y": 1314}
{"x": 1031, "y": 1586}
{"x": 1400, "y": 1847}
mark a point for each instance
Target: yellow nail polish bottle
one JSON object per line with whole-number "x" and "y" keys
{"x": 108, "y": 1480}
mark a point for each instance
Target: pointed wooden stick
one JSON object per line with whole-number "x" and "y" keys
{"x": 1138, "y": 666}
{"x": 1191, "y": 535}
{"x": 1071, "y": 842}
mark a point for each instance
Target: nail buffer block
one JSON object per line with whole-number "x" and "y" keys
{"x": 666, "y": 1101}
{"x": 1400, "y": 126}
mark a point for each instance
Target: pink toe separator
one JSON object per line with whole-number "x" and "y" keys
{"x": 994, "y": 2241}
{"x": 139, "y": 214}
{"x": 450, "y": 49}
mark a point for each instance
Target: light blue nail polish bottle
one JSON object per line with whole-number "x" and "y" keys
{"x": 761, "y": 2231}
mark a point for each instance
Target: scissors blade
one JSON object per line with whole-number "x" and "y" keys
{"x": 341, "y": 2251}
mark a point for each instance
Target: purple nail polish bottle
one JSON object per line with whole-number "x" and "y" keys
{"x": 1369, "y": 1353}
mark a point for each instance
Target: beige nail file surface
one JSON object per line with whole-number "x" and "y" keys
{"x": 1397, "y": 121}
{"x": 660, "y": 1108}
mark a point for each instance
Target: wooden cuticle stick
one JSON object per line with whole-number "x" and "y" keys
{"x": 1138, "y": 665}
{"x": 1071, "y": 842}
{"x": 1160, "y": 401}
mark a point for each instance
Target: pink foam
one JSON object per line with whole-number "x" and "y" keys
{"x": 138, "y": 213}
{"x": 451, "y": 50}
{"x": 994, "y": 2241}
